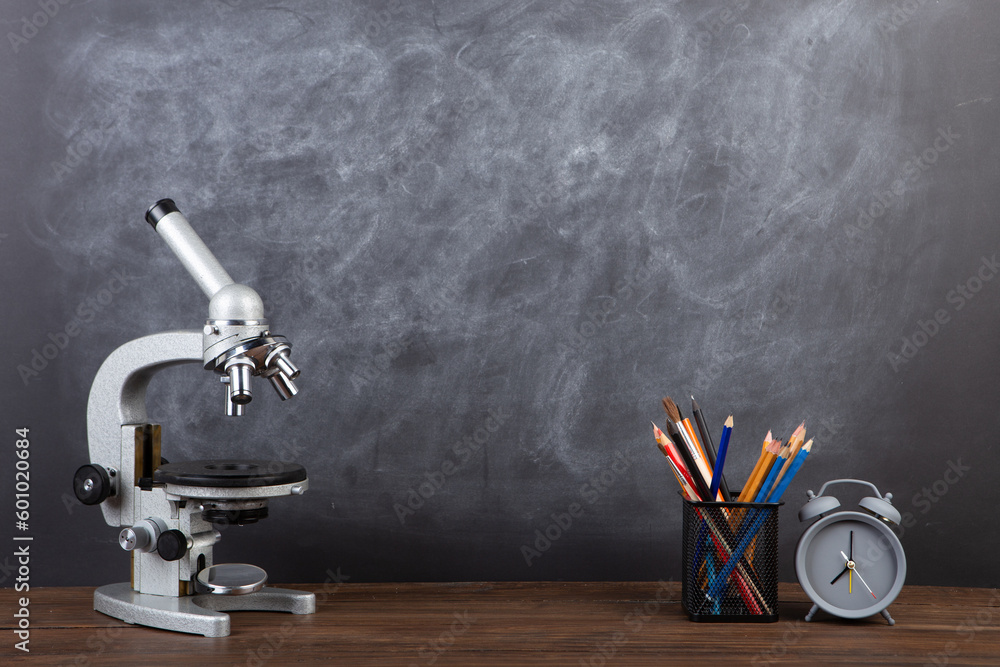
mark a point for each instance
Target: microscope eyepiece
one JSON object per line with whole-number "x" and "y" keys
{"x": 159, "y": 210}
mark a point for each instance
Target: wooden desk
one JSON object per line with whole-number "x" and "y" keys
{"x": 518, "y": 624}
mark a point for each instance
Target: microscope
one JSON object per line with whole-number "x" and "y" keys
{"x": 167, "y": 511}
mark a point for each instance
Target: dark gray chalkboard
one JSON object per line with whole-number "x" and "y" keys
{"x": 497, "y": 233}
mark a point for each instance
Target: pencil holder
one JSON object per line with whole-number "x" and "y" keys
{"x": 730, "y": 561}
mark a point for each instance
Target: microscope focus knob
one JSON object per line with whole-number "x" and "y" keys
{"x": 92, "y": 484}
{"x": 172, "y": 545}
{"x": 142, "y": 536}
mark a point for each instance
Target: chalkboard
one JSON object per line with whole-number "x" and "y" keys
{"x": 497, "y": 234}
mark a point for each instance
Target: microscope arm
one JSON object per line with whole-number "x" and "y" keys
{"x": 118, "y": 399}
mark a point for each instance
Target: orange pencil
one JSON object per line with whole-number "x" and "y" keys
{"x": 795, "y": 442}
{"x": 753, "y": 486}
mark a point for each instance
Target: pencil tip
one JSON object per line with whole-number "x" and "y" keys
{"x": 729, "y": 421}
{"x": 808, "y": 446}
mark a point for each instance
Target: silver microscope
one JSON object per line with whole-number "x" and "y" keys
{"x": 166, "y": 511}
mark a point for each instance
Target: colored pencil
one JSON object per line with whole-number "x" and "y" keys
{"x": 689, "y": 492}
{"x": 800, "y": 458}
{"x": 706, "y": 438}
{"x": 753, "y": 486}
{"x": 720, "y": 463}
{"x": 756, "y": 468}
{"x": 796, "y": 443}
{"x": 768, "y": 483}
{"x": 757, "y": 521}
{"x": 700, "y": 466}
{"x": 669, "y": 450}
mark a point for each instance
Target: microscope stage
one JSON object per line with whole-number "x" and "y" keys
{"x": 229, "y": 473}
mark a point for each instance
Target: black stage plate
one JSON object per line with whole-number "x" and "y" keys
{"x": 229, "y": 473}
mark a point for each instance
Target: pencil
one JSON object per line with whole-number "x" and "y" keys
{"x": 756, "y": 468}
{"x": 757, "y": 521}
{"x": 689, "y": 492}
{"x": 689, "y": 462}
{"x": 698, "y": 464}
{"x": 666, "y": 454}
{"x": 767, "y": 460}
{"x": 796, "y": 442}
{"x": 706, "y": 436}
{"x": 775, "y": 495}
{"x": 669, "y": 450}
{"x": 779, "y": 463}
{"x": 717, "y": 477}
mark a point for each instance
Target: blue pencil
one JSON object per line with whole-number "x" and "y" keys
{"x": 779, "y": 463}
{"x": 720, "y": 460}
{"x": 756, "y": 519}
{"x": 794, "y": 468}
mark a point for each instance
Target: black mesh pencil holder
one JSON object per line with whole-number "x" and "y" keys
{"x": 730, "y": 561}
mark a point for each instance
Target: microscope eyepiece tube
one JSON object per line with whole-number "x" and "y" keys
{"x": 171, "y": 224}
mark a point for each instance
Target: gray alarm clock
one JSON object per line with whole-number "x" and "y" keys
{"x": 850, "y": 564}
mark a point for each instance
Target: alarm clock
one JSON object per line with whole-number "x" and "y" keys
{"x": 850, "y": 564}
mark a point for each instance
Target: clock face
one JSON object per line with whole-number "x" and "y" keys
{"x": 850, "y": 564}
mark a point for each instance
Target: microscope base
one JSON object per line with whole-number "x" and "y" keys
{"x": 195, "y": 614}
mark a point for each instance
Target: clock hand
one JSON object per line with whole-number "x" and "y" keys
{"x": 850, "y": 557}
{"x": 842, "y": 572}
{"x": 866, "y": 585}
{"x": 851, "y": 565}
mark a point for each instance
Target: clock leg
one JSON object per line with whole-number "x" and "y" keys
{"x": 812, "y": 612}
{"x": 885, "y": 614}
